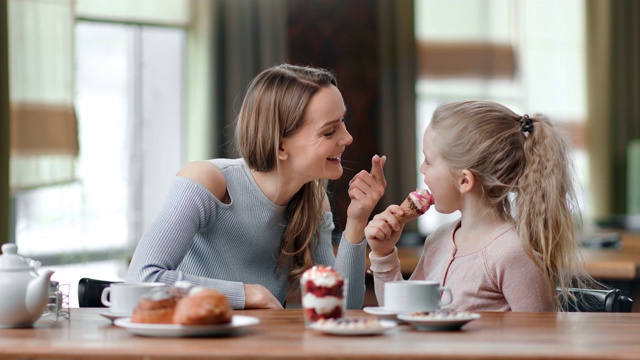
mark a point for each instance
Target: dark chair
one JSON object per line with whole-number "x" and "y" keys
{"x": 90, "y": 292}
{"x": 594, "y": 300}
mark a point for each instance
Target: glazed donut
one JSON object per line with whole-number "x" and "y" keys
{"x": 157, "y": 307}
{"x": 202, "y": 306}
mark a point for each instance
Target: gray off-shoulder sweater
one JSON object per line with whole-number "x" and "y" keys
{"x": 199, "y": 239}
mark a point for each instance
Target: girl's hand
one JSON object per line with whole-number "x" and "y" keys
{"x": 258, "y": 297}
{"x": 384, "y": 230}
{"x": 366, "y": 189}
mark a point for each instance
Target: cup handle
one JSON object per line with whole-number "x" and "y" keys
{"x": 105, "y": 296}
{"x": 448, "y": 291}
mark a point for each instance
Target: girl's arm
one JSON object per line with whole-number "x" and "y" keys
{"x": 386, "y": 268}
{"x": 524, "y": 286}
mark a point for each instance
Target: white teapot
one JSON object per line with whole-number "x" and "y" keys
{"x": 23, "y": 293}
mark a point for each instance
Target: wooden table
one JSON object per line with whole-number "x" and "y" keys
{"x": 616, "y": 264}
{"x": 281, "y": 335}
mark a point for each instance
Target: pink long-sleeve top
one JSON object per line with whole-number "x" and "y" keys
{"x": 494, "y": 275}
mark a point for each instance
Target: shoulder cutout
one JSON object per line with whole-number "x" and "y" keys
{"x": 208, "y": 175}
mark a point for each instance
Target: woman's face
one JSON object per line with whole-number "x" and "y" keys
{"x": 315, "y": 149}
{"x": 437, "y": 176}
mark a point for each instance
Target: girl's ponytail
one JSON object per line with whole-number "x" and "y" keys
{"x": 546, "y": 205}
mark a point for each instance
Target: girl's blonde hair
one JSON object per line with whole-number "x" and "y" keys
{"x": 522, "y": 161}
{"x": 274, "y": 108}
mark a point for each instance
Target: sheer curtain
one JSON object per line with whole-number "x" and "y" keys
{"x": 44, "y": 142}
{"x": 249, "y": 36}
{"x": 81, "y": 228}
{"x": 4, "y": 124}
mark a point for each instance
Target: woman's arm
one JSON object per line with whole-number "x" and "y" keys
{"x": 350, "y": 261}
{"x": 189, "y": 207}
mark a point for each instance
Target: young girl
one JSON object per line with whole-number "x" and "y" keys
{"x": 509, "y": 175}
{"x": 250, "y": 227}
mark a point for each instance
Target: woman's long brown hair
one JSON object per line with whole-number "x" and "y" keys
{"x": 274, "y": 108}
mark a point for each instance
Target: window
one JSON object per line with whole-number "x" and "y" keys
{"x": 548, "y": 76}
{"x": 129, "y": 103}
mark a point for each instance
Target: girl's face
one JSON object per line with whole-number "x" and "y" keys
{"x": 315, "y": 149}
{"x": 437, "y": 176}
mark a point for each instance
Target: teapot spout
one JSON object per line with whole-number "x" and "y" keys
{"x": 38, "y": 292}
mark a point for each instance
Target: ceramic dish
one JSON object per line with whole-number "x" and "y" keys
{"x": 113, "y": 316}
{"x": 439, "y": 321}
{"x": 238, "y": 322}
{"x": 339, "y": 329}
{"x": 381, "y": 313}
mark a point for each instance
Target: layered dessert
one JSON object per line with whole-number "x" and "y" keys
{"x": 323, "y": 294}
{"x": 415, "y": 204}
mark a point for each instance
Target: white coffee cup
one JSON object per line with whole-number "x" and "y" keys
{"x": 122, "y": 298}
{"x": 415, "y": 295}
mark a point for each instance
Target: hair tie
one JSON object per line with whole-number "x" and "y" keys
{"x": 526, "y": 124}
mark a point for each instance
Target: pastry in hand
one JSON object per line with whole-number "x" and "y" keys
{"x": 416, "y": 204}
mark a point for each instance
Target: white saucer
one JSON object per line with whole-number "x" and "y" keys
{"x": 113, "y": 315}
{"x": 238, "y": 322}
{"x": 384, "y": 326}
{"x": 382, "y": 313}
{"x": 452, "y": 321}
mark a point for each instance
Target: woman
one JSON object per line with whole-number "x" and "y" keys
{"x": 250, "y": 227}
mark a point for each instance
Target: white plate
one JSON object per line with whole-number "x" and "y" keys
{"x": 381, "y": 313}
{"x": 439, "y": 324}
{"x": 238, "y": 322}
{"x": 384, "y": 326}
{"x": 113, "y": 316}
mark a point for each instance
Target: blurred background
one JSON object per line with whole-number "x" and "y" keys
{"x": 103, "y": 101}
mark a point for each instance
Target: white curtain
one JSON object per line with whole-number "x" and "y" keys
{"x": 44, "y": 143}
{"x": 141, "y": 12}
{"x": 250, "y": 36}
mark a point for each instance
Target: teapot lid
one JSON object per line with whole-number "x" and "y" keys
{"x": 10, "y": 260}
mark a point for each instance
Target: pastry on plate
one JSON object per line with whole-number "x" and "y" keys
{"x": 183, "y": 304}
{"x": 203, "y": 306}
{"x": 157, "y": 307}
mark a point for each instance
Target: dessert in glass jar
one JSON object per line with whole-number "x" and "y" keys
{"x": 324, "y": 293}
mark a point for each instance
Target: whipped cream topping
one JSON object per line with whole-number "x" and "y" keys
{"x": 159, "y": 293}
{"x": 422, "y": 199}
{"x": 324, "y": 276}
{"x": 196, "y": 289}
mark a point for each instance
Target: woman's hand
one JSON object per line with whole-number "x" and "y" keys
{"x": 365, "y": 190}
{"x": 383, "y": 231}
{"x": 258, "y": 297}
